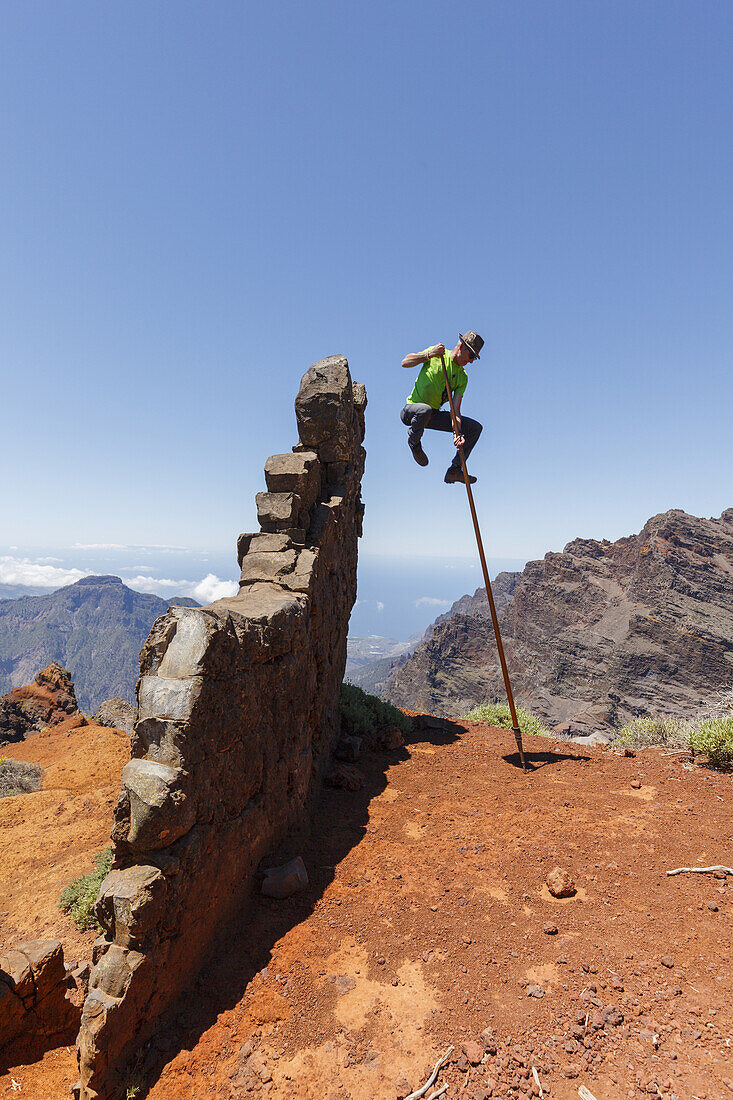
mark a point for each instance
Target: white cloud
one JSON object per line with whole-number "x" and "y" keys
{"x": 211, "y": 588}
{"x": 432, "y": 601}
{"x": 158, "y": 585}
{"x": 127, "y": 546}
{"x": 205, "y": 591}
{"x": 38, "y": 574}
{"x": 380, "y": 605}
{"x": 100, "y": 546}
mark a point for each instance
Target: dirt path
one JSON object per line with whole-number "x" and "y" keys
{"x": 428, "y": 922}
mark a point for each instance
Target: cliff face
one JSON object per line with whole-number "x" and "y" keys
{"x": 595, "y": 635}
{"x": 238, "y": 712}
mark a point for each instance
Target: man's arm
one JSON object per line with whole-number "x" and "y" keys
{"x": 458, "y": 440}
{"x": 416, "y": 358}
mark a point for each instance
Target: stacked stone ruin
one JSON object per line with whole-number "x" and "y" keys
{"x": 238, "y": 715}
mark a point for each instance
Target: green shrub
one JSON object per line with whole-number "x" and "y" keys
{"x": 643, "y": 733}
{"x": 498, "y": 714}
{"x": 714, "y": 737}
{"x": 362, "y": 714}
{"x": 80, "y": 895}
{"x": 17, "y": 777}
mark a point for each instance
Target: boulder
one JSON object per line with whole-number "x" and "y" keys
{"x": 298, "y": 473}
{"x": 279, "y": 511}
{"x": 268, "y": 566}
{"x": 324, "y": 409}
{"x": 34, "y": 1005}
{"x": 560, "y": 883}
{"x": 283, "y": 882}
{"x": 131, "y": 904}
{"x": 117, "y": 713}
{"x": 345, "y": 777}
{"x": 160, "y": 809}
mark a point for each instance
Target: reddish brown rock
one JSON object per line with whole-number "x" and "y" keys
{"x": 345, "y": 777}
{"x": 560, "y": 883}
{"x": 34, "y": 1002}
{"x": 388, "y": 739}
{"x": 474, "y": 1051}
{"x": 47, "y": 701}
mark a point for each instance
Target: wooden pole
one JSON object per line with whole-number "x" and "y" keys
{"x": 479, "y": 542}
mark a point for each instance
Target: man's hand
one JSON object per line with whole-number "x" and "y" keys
{"x": 436, "y": 349}
{"x": 458, "y": 440}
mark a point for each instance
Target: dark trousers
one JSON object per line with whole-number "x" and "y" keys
{"x": 419, "y": 417}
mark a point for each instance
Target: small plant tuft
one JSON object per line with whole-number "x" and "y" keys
{"x": 362, "y": 714}
{"x": 17, "y": 777}
{"x": 498, "y": 714}
{"x": 714, "y": 736}
{"x": 644, "y": 733}
{"x": 80, "y": 895}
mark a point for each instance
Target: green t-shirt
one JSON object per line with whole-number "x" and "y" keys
{"x": 429, "y": 388}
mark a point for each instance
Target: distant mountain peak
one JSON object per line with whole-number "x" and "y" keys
{"x": 96, "y": 580}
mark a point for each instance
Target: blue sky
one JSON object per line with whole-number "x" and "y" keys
{"x": 198, "y": 200}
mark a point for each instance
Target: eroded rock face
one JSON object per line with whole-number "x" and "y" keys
{"x": 117, "y": 713}
{"x": 46, "y": 702}
{"x": 594, "y": 636}
{"x": 33, "y": 993}
{"x": 237, "y": 719}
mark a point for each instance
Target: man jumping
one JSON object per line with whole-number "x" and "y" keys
{"x": 423, "y": 408}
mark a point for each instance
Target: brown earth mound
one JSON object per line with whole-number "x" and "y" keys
{"x": 47, "y": 701}
{"x": 428, "y": 923}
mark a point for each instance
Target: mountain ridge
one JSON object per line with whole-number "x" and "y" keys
{"x": 95, "y": 628}
{"x": 595, "y": 635}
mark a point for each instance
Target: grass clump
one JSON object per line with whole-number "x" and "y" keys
{"x": 644, "y": 733}
{"x": 80, "y": 895}
{"x": 714, "y": 736}
{"x": 362, "y": 714}
{"x": 498, "y": 714}
{"x": 17, "y": 777}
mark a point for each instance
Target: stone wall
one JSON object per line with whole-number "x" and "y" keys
{"x": 238, "y": 714}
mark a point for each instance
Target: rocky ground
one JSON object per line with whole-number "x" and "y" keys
{"x": 428, "y": 923}
{"x": 50, "y": 836}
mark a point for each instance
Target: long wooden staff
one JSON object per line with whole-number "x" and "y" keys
{"x": 494, "y": 618}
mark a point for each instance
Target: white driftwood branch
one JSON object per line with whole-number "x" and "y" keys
{"x": 702, "y": 870}
{"x": 421, "y": 1092}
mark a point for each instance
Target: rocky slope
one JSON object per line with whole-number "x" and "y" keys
{"x": 594, "y": 635}
{"x": 48, "y": 700}
{"x": 95, "y": 628}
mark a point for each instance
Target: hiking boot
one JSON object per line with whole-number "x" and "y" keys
{"x": 418, "y": 453}
{"x": 455, "y": 473}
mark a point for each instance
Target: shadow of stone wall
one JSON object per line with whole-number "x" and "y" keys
{"x": 238, "y": 713}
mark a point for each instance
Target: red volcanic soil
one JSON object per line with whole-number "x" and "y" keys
{"x": 428, "y": 921}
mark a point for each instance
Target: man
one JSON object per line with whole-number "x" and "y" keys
{"x": 423, "y": 408}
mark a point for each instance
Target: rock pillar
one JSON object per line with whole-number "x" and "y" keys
{"x": 238, "y": 713}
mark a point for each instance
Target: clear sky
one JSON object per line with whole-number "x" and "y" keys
{"x": 198, "y": 200}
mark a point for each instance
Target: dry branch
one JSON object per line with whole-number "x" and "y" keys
{"x": 421, "y": 1091}
{"x": 702, "y": 870}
